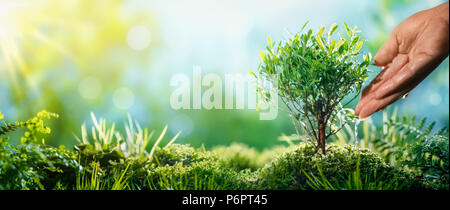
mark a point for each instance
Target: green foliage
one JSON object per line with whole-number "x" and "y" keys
{"x": 313, "y": 74}
{"x": 430, "y": 157}
{"x": 31, "y": 165}
{"x": 289, "y": 170}
{"x": 97, "y": 182}
{"x": 177, "y": 153}
{"x": 110, "y": 160}
{"x": 414, "y": 145}
{"x": 399, "y": 132}
{"x": 354, "y": 181}
{"x": 105, "y": 161}
{"x": 208, "y": 174}
{"x": 35, "y": 127}
{"x": 240, "y": 156}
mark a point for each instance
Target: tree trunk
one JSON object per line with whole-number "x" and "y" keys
{"x": 322, "y": 137}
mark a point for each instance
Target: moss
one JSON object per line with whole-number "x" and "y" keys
{"x": 237, "y": 156}
{"x": 178, "y": 153}
{"x": 183, "y": 167}
{"x": 286, "y": 171}
{"x": 240, "y": 157}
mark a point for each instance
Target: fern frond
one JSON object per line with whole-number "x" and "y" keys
{"x": 404, "y": 131}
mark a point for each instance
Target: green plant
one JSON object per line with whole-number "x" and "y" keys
{"x": 97, "y": 181}
{"x": 240, "y": 157}
{"x": 313, "y": 73}
{"x": 107, "y": 161}
{"x": 198, "y": 176}
{"x": 354, "y": 181}
{"x": 415, "y": 145}
{"x": 32, "y": 164}
{"x": 429, "y": 155}
{"x": 144, "y": 163}
{"x": 408, "y": 143}
{"x": 35, "y": 127}
{"x": 105, "y": 144}
{"x": 112, "y": 152}
{"x": 403, "y": 138}
{"x": 177, "y": 153}
{"x": 84, "y": 183}
{"x": 287, "y": 171}
{"x": 183, "y": 167}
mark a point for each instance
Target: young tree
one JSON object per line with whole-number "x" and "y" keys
{"x": 314, "y": 73}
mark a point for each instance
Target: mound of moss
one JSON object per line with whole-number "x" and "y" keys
{"x": 240, "y": 156}
{"x": 288, "y": 170}
{"x": 237, "y": 156}
{"x": 180, "y": 154}
{"x": 183, "y": 167}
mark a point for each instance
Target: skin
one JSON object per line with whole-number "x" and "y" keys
{"x": 413, "y": 50}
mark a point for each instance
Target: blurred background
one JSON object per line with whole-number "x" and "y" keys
{"x": 114, "y": 57}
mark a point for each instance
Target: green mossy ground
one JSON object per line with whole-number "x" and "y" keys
{"x": 184, "y": 167}
{"x": 109, "y": 162}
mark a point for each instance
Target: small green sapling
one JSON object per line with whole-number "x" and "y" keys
{"x": 314, "y": 73}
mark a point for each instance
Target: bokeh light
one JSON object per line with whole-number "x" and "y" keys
{"x": 117, "y": 57}
{"x": 139, "y": 37}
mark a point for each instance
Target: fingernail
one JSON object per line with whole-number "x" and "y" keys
{"x": 364, "y": 114}
{"x": 363, "y": 118}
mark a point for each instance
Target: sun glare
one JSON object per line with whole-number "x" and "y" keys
{"x": 9, "y": 50}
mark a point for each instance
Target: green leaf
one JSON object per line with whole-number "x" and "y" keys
{"x": 354, "y": 41}
{"x": 270, "y": 42}
{"x": 319, "y": 42}
{"x": 320, "y": 32}
{"x": 358, "y": 47}
{"x": 349, "y": 33}
{"x": 332, "y": 30}
{"x": 333, "y": 43}
{"x": 339, "y": 43}
{"x": 251, "y": 73}
{"x": 263, "y": 57}
{"x": 303, "y": 27}
{"x": 368, "y": 58}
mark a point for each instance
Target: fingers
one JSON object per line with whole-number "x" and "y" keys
{"x": 388, "y": 51}
{"x": 390, "y": 70}
{"x": 411, "y": 74}
{"x": 368, "y": 92}
{"x": 365, "y": 94}
{"x": 394, "y": 84}
{"x": 375, "y": 105}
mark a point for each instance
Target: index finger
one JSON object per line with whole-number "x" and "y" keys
{"x": 411, "y": 74}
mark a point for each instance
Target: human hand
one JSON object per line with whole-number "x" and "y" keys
{"x": 413, "y": 50}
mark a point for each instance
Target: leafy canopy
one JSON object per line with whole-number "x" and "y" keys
{"x": 315, "y": 72}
